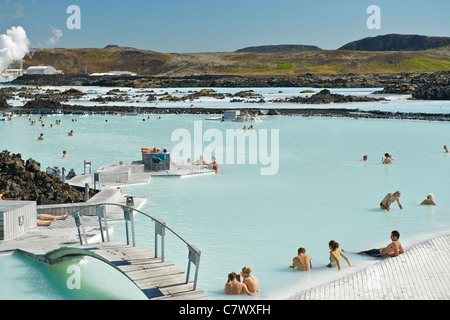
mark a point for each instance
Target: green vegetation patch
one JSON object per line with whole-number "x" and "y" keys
{"x": 284, "y": 66}
{"x": 424, "y": 64}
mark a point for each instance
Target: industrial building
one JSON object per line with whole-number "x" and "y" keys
{"x": 43, "y": 70}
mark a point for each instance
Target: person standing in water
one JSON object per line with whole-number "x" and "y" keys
{"x": 385, "y": 204}
{"x": 387, "y": 160}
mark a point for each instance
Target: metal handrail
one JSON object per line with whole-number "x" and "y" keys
{"x": 160, "y": 227}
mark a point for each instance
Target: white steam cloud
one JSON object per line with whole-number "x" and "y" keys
{"x": 14, "y": 45}
{"x": 57, "y": 33}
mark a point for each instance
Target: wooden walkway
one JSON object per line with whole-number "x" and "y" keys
{"x": 158, "y": 280}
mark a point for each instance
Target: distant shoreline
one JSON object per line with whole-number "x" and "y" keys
{"x": 432, "y": 86}
{"x": 301, "y": 112}
{"x": 421, "y": 85}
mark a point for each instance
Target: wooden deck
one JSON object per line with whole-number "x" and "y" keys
{"x": 157, "y": 280}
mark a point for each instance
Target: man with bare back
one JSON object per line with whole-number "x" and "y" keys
{"x": 392, "y": 250}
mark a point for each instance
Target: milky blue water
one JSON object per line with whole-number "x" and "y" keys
{"x": 321, "y": 192}
{"x": 25, "y": 279}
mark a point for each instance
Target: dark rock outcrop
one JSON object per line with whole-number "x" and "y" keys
{"x": 436, "y": 88}
{"x": 397, "y": 42}
{"x": 42, "y": 104}
{"x": 21, "y": 180}
{"x": 325, "y": 96}
{"x": 4, "y": 104}
{"x": 280, "y": 48}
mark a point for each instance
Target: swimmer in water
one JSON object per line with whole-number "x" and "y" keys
{"x": 387, "y": 160}
{"x": 234, "y": 286}
{"x": 429, "y": 200}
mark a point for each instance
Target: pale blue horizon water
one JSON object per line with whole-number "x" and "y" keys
{"x": 321, "y": 192}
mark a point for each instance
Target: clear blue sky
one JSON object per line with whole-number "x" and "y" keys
{"x": 219, "y": 25}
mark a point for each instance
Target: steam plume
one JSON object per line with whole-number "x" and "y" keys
{"x": 14, "y": 45}
{"x": 57, "y": 34}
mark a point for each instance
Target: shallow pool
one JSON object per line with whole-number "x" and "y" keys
{"x": 321, "y": 191}
{"x": 85, "y": 279}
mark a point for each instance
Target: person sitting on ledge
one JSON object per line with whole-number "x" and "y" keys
{"x": 200, "y": 161}
{"x": 214, "y": 164}
{"x": 45, "y": 220}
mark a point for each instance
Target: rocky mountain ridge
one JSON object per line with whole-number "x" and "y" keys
{"x": 397, "y": 42}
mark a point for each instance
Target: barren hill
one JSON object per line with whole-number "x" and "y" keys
{"x": 279, "y": 48}
{"x": 397, "y": 42}
{"x": 150, "y": 63}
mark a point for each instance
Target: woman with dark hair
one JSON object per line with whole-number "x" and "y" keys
{"x": 335, "y": 255}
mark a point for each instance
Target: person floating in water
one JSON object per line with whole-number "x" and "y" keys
{"x": 391, "y": 250}
{"x": 429, "y": 200}
{"x": 385, "y": 204}
{"x": 64, "y": 154}
{"x": 446, "y": 149}
{"x": 364, "y": 159}
{"x": 41, "y": 137}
